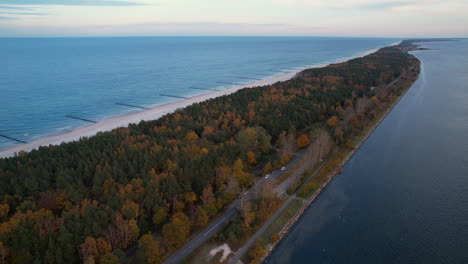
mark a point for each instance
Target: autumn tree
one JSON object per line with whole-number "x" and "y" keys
{"x": 134, "y": 230}
{"x": 4, "y": 209}
{"x": 89, "y": 250}
{"x": 222, "y": 176}
{"x": 281, "y": 139}
{"x": 303, "y": 141}
{"x": 109, "y": 258}
{"x": 190, "y": 198}
{"x": 119, "y": 233}
{"x": 244, "y": 178}
{"x": 160, "y": 216}
{"x": 53, "y": 200}
{"x": 103, "y": 246}
{"x": 130, "y": 209}
{"x": 254, "y": 139}
{"x": 248, "y": 215}
{"x": 201, "y": 217}
{"x": 208, "y": 130}
{"x": 177, "y": 231}
{"x": 151, "y": 248}
{"x": 251, "y": 158}
{"x": 209, "y": 200}
{"x": 191, "y": 136}
{"x": 332, "y": 122}
{"x": 267, "y": 168}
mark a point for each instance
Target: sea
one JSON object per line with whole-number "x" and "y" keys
{"x": 52, "y": 85}
{"x": 403, "y": 197}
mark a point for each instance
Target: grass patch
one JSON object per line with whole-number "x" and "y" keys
{"x": 323, "y": 175}
{"x": 282, "y": 219}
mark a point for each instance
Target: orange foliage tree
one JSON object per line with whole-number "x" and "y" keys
{"x": 151, "y": 248}
{"x": 177, "y": 231}
{"x": 303, "y": 141}
{"x": 333, "y": 122}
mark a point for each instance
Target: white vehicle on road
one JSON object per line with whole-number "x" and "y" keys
{"x": 266, "y": 176}
{"x": 283, "y": 168}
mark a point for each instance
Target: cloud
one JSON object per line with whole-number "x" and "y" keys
{"x": 358, "y": 4}
{"x": 23, "y": 13}
{"x": 387, "y": 5}
{"x": 70, "y": 2}
{"x": 284, "y": 2}
{"x": 32, "y": 5}
{"x": 206, "y": 28}
{"x": 14, "y": 7}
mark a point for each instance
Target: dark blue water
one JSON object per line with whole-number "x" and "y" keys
{"x": 403, "y": 198}
{"x": 42, "y": 80}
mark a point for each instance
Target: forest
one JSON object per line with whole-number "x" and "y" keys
{"x": 151, "y": 185}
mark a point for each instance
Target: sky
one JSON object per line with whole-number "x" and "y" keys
{"x": 345, "y": 18}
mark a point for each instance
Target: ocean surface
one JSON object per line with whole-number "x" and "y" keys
{"x": 403, "y": 198}
{"x": 43, "y": 80}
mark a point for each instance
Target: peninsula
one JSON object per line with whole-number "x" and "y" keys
{"x": 226, "y": 165}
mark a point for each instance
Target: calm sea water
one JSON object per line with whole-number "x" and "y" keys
{"x": 403, "y": 198}
{"x": 43, "y": 80}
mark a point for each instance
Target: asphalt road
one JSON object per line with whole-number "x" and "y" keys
{"x": 203, "y": 236}
{"x": 217, "y": 224}
{"x": 258, "y": 234}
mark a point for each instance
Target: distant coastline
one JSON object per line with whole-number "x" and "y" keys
{"x": 154, "y": 112}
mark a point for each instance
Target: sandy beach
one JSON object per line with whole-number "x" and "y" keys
{"x": 150, "y": 114}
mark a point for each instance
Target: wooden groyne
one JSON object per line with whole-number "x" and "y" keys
{"x": 82, "y": 119}
{"x": 135, "y": 106}
{"x": 199, "y": 88}
{"x": 14, "y": 139}
{"x": 264, "y": 74}
{"x": 174, "y": 96}
{"x": 229, "y": 83}
{"x": 247, "y": 78}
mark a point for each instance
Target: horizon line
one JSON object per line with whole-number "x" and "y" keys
{"x": 246, "y": 36}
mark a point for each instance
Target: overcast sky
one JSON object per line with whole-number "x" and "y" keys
{"x": 360, "y": 18}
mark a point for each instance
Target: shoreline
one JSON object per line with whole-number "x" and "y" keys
{"x": 292, "y": 221}
{"x": 156, "y": 112}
